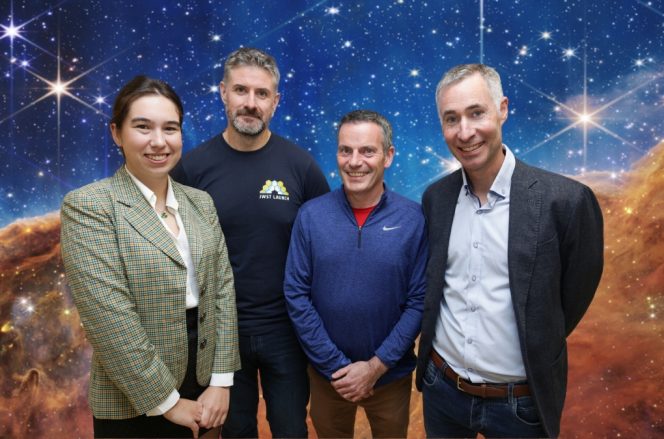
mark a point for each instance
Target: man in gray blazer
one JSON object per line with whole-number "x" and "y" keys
{"x": 515, "y": 259}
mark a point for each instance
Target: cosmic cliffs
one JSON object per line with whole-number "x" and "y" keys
{"x": 616, "y": 356}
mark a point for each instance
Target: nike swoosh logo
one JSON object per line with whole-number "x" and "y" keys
{"x": 387, "y": 229}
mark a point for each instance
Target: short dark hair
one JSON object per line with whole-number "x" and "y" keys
{"x": 358, "y": 116}
{"x": 249, "y": 56}
{"x": 137, "y": 88}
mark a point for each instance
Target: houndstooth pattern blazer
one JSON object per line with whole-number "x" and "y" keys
{"x": 128, "y": 282}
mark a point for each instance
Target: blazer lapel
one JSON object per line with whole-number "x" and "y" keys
{"x": 441, "y": 216}
{"x": 449, "y": 199}
{"x": 192, "y": 226}
{"x": 524, "y": 225}
{"x": 140, "y": 215}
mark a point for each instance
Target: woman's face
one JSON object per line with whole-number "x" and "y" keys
{"x": 150, "y": 137}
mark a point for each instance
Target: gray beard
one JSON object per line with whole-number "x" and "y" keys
{"x": 248, "y": 129}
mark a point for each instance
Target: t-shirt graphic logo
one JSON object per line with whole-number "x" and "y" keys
{"x": 273, "y": 190}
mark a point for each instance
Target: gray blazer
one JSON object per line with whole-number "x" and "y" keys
{"x": 555, "y": 260}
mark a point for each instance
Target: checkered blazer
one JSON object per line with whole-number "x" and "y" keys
{"x": 128, "y": 282}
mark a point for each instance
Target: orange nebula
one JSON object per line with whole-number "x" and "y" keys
{"x": 616, "y": 355}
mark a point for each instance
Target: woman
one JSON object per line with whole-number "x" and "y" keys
{"x": 149, "y": 272}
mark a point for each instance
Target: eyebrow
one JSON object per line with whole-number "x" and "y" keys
{"x": 468, "y": 108}
{"x": 474, "y": 106}
{"x": 145, "y": 119}
{"x": 359, "y": 147}
{"x": 267, "y": 89}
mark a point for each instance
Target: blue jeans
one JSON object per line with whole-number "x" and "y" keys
{"x": 284, "y": 381}
{"x": 449, "y": 412}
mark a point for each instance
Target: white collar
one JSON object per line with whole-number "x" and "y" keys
{"x": 171, "y": 201}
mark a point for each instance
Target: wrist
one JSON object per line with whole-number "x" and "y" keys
{"x": 377, "y": 366}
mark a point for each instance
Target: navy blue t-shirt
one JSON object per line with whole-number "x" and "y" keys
{"x": 257, "y": 195}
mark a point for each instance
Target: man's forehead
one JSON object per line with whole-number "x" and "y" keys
{"x": 465, "y": 106}
{"x": 464, "y": 94}
{"x": 363, "y": 133}
{"x": 244, "y": 74}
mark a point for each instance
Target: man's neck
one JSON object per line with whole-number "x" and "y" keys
{"x": 481, "y": 184}
{"x": 482, "y": 180}
{"x": 244, "y": 143}
{"x": 363, "y": 201}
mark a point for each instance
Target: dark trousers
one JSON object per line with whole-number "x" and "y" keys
{"x": 279, "y": 359}
{"x": 158, "y": 426}
{"x": 450, "y": 412}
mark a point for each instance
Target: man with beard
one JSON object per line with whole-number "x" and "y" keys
{"x": 258, "y": 180}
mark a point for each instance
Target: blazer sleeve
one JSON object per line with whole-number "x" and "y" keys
{"x": 98, "y": 284}
{"x": 582, "y": 257}
{"x": 227, "y": 353}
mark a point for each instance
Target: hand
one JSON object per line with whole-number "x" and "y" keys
{"x": 186, "y": 413}
{"x": 356, "y": 381}
{"x": 215, "y": 406}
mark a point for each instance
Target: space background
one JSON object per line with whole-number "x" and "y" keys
{"x": 585, "y": 82}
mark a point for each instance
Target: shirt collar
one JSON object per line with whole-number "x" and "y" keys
{"x": 502, "y": 183}
{"x": 171, "y": 201}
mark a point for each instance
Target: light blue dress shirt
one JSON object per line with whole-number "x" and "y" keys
{"x": 476, "y": 332}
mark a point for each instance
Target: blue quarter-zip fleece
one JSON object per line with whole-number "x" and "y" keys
{"x": 353, "y": 292}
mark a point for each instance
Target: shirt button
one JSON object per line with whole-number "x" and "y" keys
{"x": 474, "y": 278}
{"x": 203, "y": 343}
{"x": 470, "y": 341}
{"x": 479, "y": 212}
{"x": 471, "y": 370}
{"x": 476, "y": 244}
{"x": 201, "y": 319}
{"x": 473, "y": 308}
